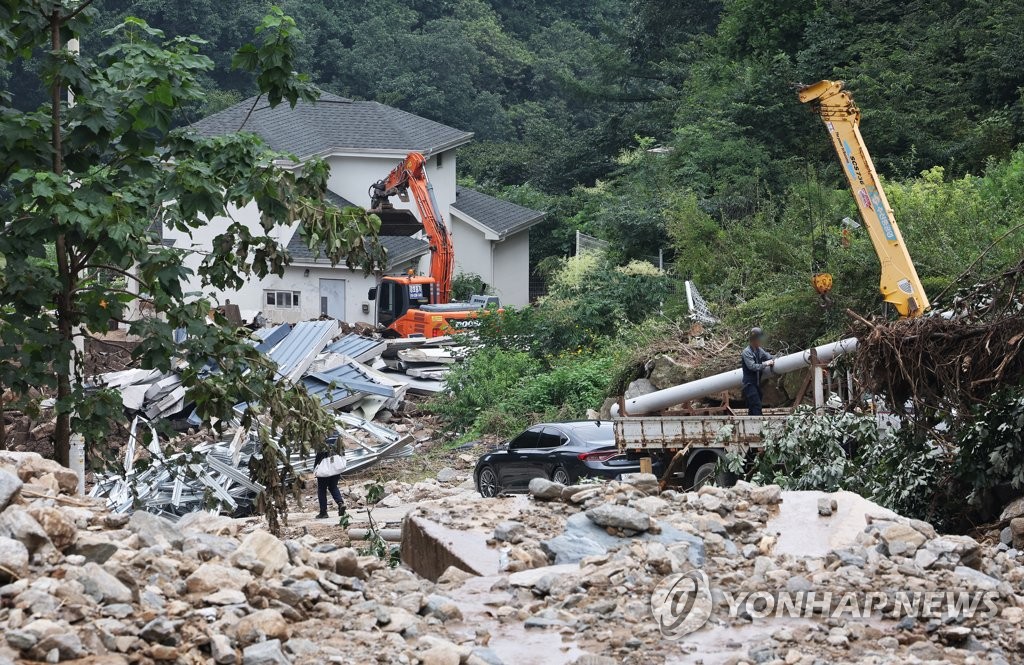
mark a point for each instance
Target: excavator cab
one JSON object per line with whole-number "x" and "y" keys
{"x": 397, "y": 295}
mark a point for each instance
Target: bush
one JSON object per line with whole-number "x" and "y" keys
{"x": 467, "y": 284}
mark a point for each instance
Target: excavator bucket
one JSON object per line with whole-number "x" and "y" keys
{"x": 397, "y": 221}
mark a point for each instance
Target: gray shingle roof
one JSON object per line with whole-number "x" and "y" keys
{"x": 400, "y": 249}
{"x": 334, "y": 124}
{"x": 503, "y": 217}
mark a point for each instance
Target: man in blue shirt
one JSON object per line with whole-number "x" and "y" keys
{"x": 754, "y": 360}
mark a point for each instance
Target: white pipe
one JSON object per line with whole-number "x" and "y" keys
{"x": 669, "y": 397}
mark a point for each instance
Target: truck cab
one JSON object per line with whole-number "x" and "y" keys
{"x": 408, "y": 305}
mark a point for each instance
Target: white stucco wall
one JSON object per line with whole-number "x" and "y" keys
{"x": 472, "y": 250}
{"x": 352, "y": 175}
{"x": 512, "y": 270}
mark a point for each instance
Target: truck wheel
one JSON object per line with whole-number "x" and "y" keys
{"x": 703, "y": 473}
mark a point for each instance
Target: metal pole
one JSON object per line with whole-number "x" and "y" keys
{"x": 669, "y": 397}
{"x": 819, "y": 388}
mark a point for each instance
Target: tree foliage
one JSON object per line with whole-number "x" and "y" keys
{"x": 87, "y": 185}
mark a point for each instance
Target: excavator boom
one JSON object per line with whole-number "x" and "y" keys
{"x": 411, "y": 175}
{"x": 899, "y": 282}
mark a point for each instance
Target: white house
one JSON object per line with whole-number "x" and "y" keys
{"x": 362, "y": 142}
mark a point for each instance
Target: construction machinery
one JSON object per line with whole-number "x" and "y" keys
{"x": 899, "y": 283}
{"x": 418, "y": 305}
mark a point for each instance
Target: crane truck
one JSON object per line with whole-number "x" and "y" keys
{"x": 690, "y": 446}
{"x": 899, "y": 283}
{"x": 419, "y": 305}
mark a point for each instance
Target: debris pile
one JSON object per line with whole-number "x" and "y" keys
{"x": 359, "y": 378}
{"x": 79, "y": 582}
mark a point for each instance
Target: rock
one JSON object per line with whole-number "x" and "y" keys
{"x": 644, "y": 482}
{"x": 261, "y": 625}
{"x": 155, "y": 530}
{"x": 976, "y": 578}
{"x": 666, "y": 373}
{"x": 94, "y": 547}
{"x": 67, "y": 645}
{"x": 211, "y": 577}
{"x": 545, "y": 490}
{"x": 606, "y": 408}
{"x": 22, "y": 640}
{"x": 442, "y": 608}
{"x": 619, "y": 517}
{"x": 1006, "y": 536}
{"x": 447, "y": 475}
{"x": 10, "y": 485}
{"x": 569, "y": 548}
{"x": 266, "y": 548}
{"x": 453, "y": 575}
{"x": 827, "y": 506}
{"x": 60, "y": 530}
{"x": 221, "y": 650}
{"x": 226, "y": 597}
{"x": 18, "y": 524}
{"x": 652, "y": 505}
{"x": 639, "y": 387}
{"x": 440, "y": 655}
{"x": 102, "y": 586}
{"x": 15, "y": 558}
{"x": 509, "y": 531}
{"x": 901, "y": 539}
{"x": 161, "y": 631}
{"x": 1017, "y": 532}
{"x": 30, "y": 466}
{"x": 483, "y": 656}
{"x": 954, "y": 634}
{"x": 766, "y": 496}
{"x": 265, "y": 653}
{"x": 1013, "y": 510}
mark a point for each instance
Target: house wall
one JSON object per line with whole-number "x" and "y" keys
{"x": 251, "y": 297}
{"x": 472, "y": 250}
{"x": 351, "y": 177}
{"x": 512, "y": 270}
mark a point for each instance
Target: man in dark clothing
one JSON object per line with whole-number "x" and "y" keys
{"x": 329, "y": 484}
{"x": 754, "y": 360}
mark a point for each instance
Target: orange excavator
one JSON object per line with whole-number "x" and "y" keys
{"x": 416, "y": 305}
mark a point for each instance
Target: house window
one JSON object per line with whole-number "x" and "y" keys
{"x": 440, "y": 159}
{"x": 282, "y": 298}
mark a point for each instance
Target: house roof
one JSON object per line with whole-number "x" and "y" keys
{"x": 400, "y": 249}
{"x": 503, "y": 218}
{"x": 334, "y": 124}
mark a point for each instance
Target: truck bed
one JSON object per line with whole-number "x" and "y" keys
{"x": 680, "y": 432}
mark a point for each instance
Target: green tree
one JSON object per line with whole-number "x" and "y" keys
{"x": 83, "y": 185}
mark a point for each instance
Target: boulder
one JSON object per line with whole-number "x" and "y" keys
{"x": 10, "y": 485}
{"x": 261, "y": 625}
{"x": 94, "y": 547}
{"x": 210, "y": 577}
{"x": 644, "y": 482}
{"x": 101, "y": 585}
{"x": 545, "y": 490}
{"x": 827, "y": 506}
{"x": 614, "y": 516}
{"x": 14, "y": 559}
{"x": 1017, "y": 532}
{"x": 509, "y": 531}
{"x": 666, "y": 373}
{"x": 155, "y": 530}
{"x": 17, "y": 523}
{"x": 60, "y": 530}
{"x": 266, "y": 548}
{"x": 901, "y": 539}
{"x": 1013, "y": 509}
{"x": 221, "y": 650}
{"x": 766, "y": 496}
{"x": 30, "y": 466}
{"x": 264, "y": 653}
{"x": 570, "y": 548}
{"x": 639, "y": 387}
{"x": 447, "y": 475}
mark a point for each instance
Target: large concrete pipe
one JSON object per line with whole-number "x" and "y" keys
{"x": 669, "y": 397}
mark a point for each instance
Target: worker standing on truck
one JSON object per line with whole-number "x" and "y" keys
{"x": 754, "y": 360}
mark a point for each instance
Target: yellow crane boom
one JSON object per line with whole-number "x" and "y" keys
{"x": 899, "y": 282}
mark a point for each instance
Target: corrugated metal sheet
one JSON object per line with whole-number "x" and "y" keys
{"x": 298, "y": 350}
{"x": 358, "y": 347}
{"x": 344, "y": 385}
{"x": 271, "y": 337}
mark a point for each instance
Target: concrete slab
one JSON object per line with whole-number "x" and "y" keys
{"x": 430, "y": 549}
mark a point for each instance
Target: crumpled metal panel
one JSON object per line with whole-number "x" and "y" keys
{"x": 297, "y": 351}
{"x": 357, "y": 347}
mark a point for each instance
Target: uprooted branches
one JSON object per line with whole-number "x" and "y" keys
{"x": 954, "y": 360}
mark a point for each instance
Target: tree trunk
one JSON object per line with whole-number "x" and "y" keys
{"x": 62, "y": 431}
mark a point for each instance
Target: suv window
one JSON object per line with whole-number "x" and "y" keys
{"x": 527, "y": 439}
{"x": 551, "y": 438}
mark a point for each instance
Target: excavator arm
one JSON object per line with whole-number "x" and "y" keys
{"x": 411, "y": 175}
{"x": 899, "y": 282}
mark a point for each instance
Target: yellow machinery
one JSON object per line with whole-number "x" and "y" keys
{"x": 899, "y": 283}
